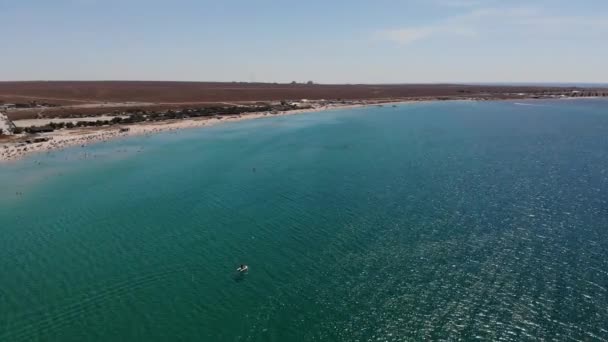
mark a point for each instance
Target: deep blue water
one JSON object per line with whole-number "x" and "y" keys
{"x": 430, "y": 221}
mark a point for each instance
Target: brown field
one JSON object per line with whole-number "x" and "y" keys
{"x": 180, "y": 94}
{"x": 171, "y": 92}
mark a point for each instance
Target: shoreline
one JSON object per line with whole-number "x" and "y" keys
{"x": 11, "y": 151}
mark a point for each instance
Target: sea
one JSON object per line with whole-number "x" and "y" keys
{"x": 431, "y": 221}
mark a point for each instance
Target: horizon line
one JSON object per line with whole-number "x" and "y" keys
{"x": 457, "y": 83}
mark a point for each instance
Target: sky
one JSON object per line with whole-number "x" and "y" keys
{"x": 340, "y": 41}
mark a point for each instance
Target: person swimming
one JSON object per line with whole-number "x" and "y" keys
{"x": 243, "y": 268}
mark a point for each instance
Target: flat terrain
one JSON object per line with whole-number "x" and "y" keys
{"x": 99, "y": 97}
{"x": 171, "y": 92}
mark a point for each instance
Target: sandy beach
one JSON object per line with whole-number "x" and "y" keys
{"x": 14, "y": 150}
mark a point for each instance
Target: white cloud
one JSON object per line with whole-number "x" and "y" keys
{"x": 522, "y": 22}
{"x": 406, "y": 35}
{"x": 461, "y": 3}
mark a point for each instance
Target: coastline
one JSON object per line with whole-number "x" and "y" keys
{"x": 60, "y": 139}
{"x": 11, "y": 151}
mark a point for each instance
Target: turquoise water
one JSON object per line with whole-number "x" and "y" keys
{"x": 422, "y": 222}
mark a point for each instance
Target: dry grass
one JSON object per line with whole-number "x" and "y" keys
{"x": 174, "y": 95}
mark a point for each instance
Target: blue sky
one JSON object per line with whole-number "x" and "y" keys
{"x": 356, "y": 41}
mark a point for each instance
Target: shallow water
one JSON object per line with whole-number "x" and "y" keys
{"x": 426, "y": 221}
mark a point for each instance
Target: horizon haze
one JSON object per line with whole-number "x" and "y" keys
{"x": 438, "y": 41}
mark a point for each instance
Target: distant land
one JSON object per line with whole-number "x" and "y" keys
{"x": 44, "y": 115}
{"x": 545, "y": 84}
{"x": 99, "y": 97}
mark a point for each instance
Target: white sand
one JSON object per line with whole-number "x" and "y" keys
{"x": 75, "y": 137}
{"x": 5, "y": 124}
